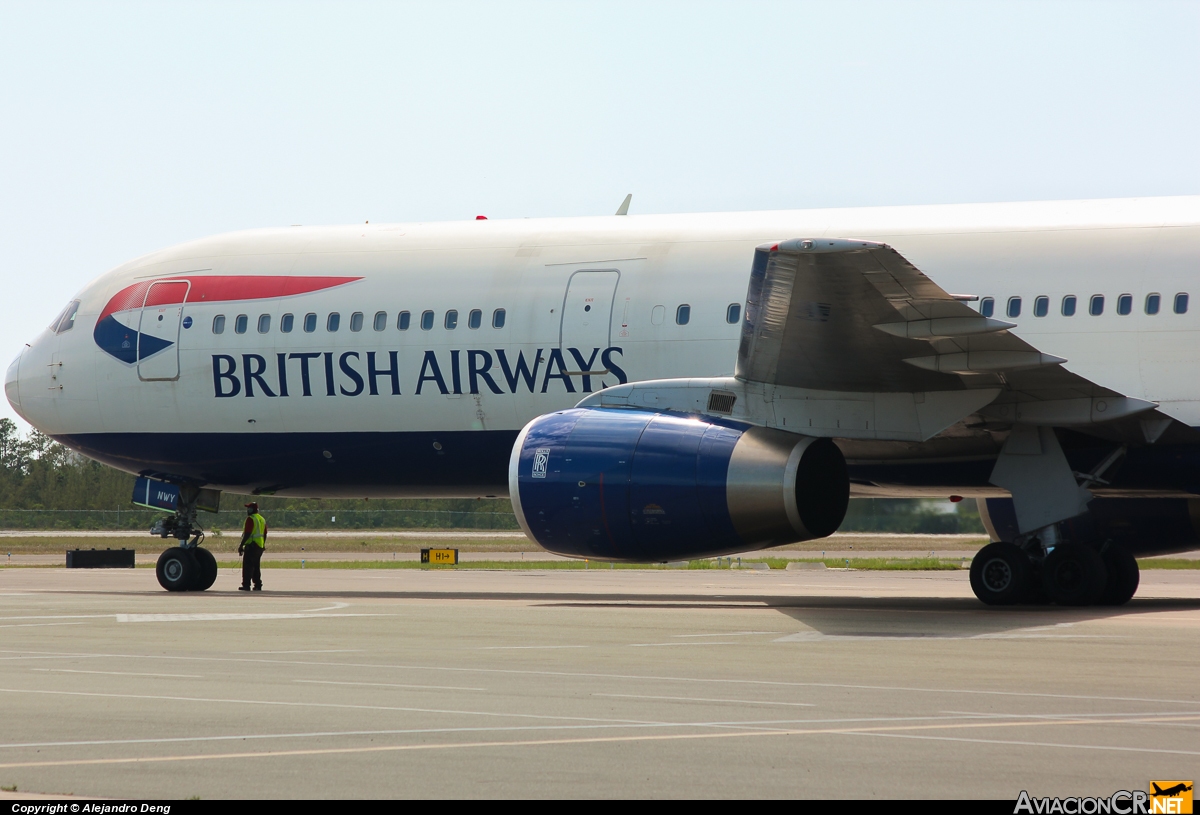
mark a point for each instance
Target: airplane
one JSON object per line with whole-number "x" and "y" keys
{"x": 661, "y": 387}
{"x": 1170, "y": 792}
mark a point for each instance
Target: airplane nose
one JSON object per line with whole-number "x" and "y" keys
{"x": 12, "y": 383}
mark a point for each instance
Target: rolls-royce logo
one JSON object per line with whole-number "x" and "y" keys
{"x": 540, "y": 457}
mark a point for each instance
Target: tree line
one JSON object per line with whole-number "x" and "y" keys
{"x": 45, "y": 485}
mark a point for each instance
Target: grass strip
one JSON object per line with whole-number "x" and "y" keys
{"x": 1169, "y": 563}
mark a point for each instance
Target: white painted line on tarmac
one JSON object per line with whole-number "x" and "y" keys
{"x": 382, "y": 685}
{"x": 1069, "y": 715}
{"x": 56, "y": 617}
{"x": 728, "y": 634}
{"x": 115, "y": 673}
{"x": 428, "y": 730}
{"x": 206, "y": 617}
{"x": 320, "y": 651}
{"x": 332, "y": 705}
{"x": 611, "y": 740}
{"x": 37, "y": 625}
{"x": 524, "y": 647}
{"x": 657, "y": 644}
{"x": 336, "y": 733}
{"x": 587, "y": 675}
{"x": 1050, "y": 744}
{"x": 694, "y": 699}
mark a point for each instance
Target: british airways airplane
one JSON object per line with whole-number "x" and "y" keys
{"x": 648, "y": 388}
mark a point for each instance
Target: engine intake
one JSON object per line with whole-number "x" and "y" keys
{"x": 632, "y": 485}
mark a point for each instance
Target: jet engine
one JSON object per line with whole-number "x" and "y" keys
{"x": 633, "y": 485}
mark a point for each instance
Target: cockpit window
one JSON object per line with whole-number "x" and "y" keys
{"x": 66, "y": 318}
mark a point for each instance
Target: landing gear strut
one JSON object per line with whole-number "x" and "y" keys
{"x": 188, "y": 566}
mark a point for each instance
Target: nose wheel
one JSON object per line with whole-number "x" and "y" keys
{"x": 190, "y": 569}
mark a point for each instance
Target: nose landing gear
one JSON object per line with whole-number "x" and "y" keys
{"x": 188, "y": 566}
{"x": 186, "y": 569}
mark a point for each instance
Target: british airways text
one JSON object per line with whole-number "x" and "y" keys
{"x": 375, "y": 373}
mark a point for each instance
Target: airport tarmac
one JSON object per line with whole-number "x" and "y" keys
{"x": 408, "y": 683}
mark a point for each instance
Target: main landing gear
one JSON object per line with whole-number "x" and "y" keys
{"x": 1069, "y": 574}
{"x": 188, "y": 566}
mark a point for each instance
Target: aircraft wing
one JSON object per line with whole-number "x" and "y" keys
{"x": 851, "y": 315}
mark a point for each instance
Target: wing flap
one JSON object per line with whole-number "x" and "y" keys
{"x": 852, "y": 315}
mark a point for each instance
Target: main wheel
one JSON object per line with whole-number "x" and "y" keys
{"x": 1123, "y": 575}
{"x": 1036, "y": 595}
{"x": 206, "y": 569}
{"x": 1000, "y": 574}
{"x": 176, "y": 569}
{"x": 1074, "y": 575}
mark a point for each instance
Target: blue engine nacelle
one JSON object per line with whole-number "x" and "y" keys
{"x": 633, "y": 485}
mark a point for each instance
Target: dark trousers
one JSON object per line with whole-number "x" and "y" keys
{"x": 250, "y": 565}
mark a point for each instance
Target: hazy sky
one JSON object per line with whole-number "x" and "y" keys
{"x": 125, "y": 127}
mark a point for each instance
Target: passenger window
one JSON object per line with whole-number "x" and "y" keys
{"x": 240, "y": 323}
{"x": 1181, "y": 303}
{"x": 264, "y": 323}
{"x": 1041, "y": 306}
{"x": 1124, "y": 304}
{"x": 683, "y": 314}
{"x": 356, "y": 321}
{"x": 733, "y": 313}
{"x": 310, "y": 323}
{"x": 219, "y": 324}
{"x": 1096, "y": 305}
{"x": 1068, "y": 306}
{"x": 1153, "y": 303}
{"x": 380, "y": 321}
{"x": 657, "y": 315}
{"x": 498, "y": 318}
{"x": 285, "y": 323}
{"x": 987, "y": 307}
{"x": 475, "y": 318}
{"x": 333, "y": 322}
{"x": 402, "y": 320}
{"x": 1014, "y": 307}
{"x": 451, "y": 321}
{"x": 426, "y": 320}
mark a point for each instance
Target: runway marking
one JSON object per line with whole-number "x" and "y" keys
{"x": 322, "y": 651}
{"x": 1013, "y": 743}
{"x": 382, "y": 685}
{"x": 814, "y": 636}
{"x": 880, "y": 731}
{"x": 692, "y": 699}
{"x": 729, "y": 634}
{"x": 37, "y": 625}
{"x": 656, "y": 644}
{"x": 426, "y": 730}
{"x": 583, "y": 675}
{"x": 178, "y": 618}
{"x": 116, "y": 673}
{"x": 1065, "y": 715}
{"x": 335, "y": 705}
{"x": 55, "y": 617}
{"x": 525, "y": 647}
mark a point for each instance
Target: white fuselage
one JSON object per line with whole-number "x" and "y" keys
{"x": 609, "y": 288}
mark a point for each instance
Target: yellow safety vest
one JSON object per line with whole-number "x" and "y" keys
{"x": 258, "y": 532}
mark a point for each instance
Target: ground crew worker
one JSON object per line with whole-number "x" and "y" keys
{"x": 254, "y": 541}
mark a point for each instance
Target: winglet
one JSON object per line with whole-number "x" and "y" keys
{"x": 624, "y": 208}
